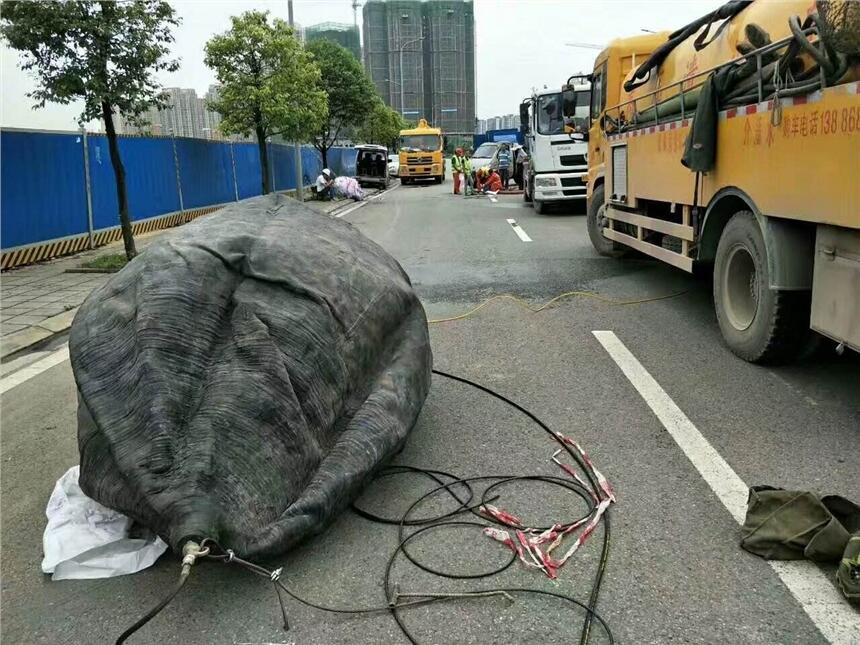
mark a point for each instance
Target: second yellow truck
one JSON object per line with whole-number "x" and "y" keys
{"x": 421, "y": 155}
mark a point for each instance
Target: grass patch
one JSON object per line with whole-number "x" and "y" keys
{"x": 112, "y": 262}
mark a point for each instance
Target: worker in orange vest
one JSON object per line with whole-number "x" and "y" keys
{"x": 489, "y": 181}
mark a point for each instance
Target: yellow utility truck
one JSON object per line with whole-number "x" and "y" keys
{"x": 733, "y": 145}
{"x": 421, "y": 154}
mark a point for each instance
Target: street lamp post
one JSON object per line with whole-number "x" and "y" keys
{"x": 402, "y": 93}
{"x": 297, "y": 150}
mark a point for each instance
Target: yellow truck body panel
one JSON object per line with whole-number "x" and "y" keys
{"x": 802, "y": 168}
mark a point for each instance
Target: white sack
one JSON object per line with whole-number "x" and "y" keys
{"x": 84, "y": 539}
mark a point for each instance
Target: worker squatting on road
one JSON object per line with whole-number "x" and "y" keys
{"x": 324, "y": 184}
{"x": 488, "y": 181}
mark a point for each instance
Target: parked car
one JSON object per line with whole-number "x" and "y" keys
{"x": 393, "y": 164}
{"x": 371, "y": 165}
{"x": 486, "y": 156}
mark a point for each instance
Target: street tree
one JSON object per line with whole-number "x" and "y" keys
{"x": 102, "y": 52}
{"x": 349, "y": 90}
{"x": 382, "y": 125}
{"x": 270, "y": 85}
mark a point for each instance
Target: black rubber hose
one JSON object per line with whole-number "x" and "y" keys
{"x": 152, "y": 613}
{"x": 604, "y": 556}
{"x": 451, "y": 485}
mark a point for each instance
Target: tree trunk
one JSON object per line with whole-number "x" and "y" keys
{"x": 264, "y": 160}
{"x": 119, "y": 175}
{"x": 324, "y": 152}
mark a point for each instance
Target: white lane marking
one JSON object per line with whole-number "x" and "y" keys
{"x": 364, "y": 202}
{"x": 519, "y": 231}
{"x": 23, "y": 361}
{"x": 819, "y": 597}
{"x": 26, "y": 373}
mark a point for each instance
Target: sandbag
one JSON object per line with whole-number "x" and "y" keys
{"x": 242, "y": 380}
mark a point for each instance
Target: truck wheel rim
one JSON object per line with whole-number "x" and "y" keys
{"x": 740, "y": 288}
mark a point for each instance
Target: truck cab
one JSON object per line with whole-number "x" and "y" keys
{"x": 555, "y": 126}
{"x": 421, "y": 154}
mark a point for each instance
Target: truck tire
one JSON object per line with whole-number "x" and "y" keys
{"x": 759, "y": 324}
{"x": 595, "y": 224}
{"x": 527, "y": 195}
{"x": 540, "y": 207}
{"x": 439, "y": 179}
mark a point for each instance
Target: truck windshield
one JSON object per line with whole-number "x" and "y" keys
{"x": 420, "y": 142}
{"x": 555, "y": 111}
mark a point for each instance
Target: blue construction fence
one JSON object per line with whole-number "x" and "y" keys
{"x": 43, "y": 183}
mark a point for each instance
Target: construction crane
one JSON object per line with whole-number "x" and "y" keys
{"x": 355, "y": 5}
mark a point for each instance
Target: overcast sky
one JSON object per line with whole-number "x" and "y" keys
{"x": 520, "y": 44}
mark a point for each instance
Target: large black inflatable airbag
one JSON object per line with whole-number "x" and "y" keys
{"x": 243, "y": 379}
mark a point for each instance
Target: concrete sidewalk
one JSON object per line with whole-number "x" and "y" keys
{"x": 41, "y": 300}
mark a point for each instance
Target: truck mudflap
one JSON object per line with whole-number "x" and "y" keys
{"x": 836, "y": 285}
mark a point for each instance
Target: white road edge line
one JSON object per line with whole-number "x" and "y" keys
{"x": 369, "y": 199}
{"x": 837, "y": 621}
{"x": 519, "y": 231}
{"x": 26, "y": 373}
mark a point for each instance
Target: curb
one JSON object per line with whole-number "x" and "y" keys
{"x": 35, "y": 334}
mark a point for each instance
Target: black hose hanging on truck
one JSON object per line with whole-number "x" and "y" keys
{"x": 725, "y": 12}
{"x": 738, "y": 85}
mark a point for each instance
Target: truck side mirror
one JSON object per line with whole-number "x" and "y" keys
{"x": 524, "y": 117}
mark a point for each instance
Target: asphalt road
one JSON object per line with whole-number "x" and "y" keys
{"x": 676, "y": 573}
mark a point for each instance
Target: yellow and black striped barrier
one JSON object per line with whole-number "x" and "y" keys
{"x": 58, "y": 248}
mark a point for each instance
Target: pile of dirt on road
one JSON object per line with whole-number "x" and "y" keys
{"x": 242, "y": 380}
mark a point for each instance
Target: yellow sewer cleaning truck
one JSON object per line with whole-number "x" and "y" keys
{"x": 421, "y": 154}
{"x": 732, "y": 144}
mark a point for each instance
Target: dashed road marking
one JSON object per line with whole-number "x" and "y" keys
{"x": 26, "y": 373}
{"x": 519, "y": 231}
{"x": 820, "y": 599}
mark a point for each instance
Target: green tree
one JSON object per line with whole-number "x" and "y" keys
{"x": 382, "y": 125}
{"x": 102, "y": 52}
{"x": 349, "y": 90}
{"x": 269, "y": 83}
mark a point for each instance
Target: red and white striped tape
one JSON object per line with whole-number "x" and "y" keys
{"x": 529, "y": 541}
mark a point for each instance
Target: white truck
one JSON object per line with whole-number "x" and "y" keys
{"x": 554, "y": 124}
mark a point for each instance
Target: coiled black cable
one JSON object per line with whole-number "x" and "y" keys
{"x": 462, "y": 492}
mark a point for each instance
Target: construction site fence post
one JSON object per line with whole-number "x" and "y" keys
{"x": 233, "y": 163}
{"x": 178, "y": 175}
{"x": 88, "y": 187}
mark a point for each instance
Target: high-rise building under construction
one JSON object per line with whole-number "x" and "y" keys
{"x": 343, "y": 34}
{"x": 434, "y": 41}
